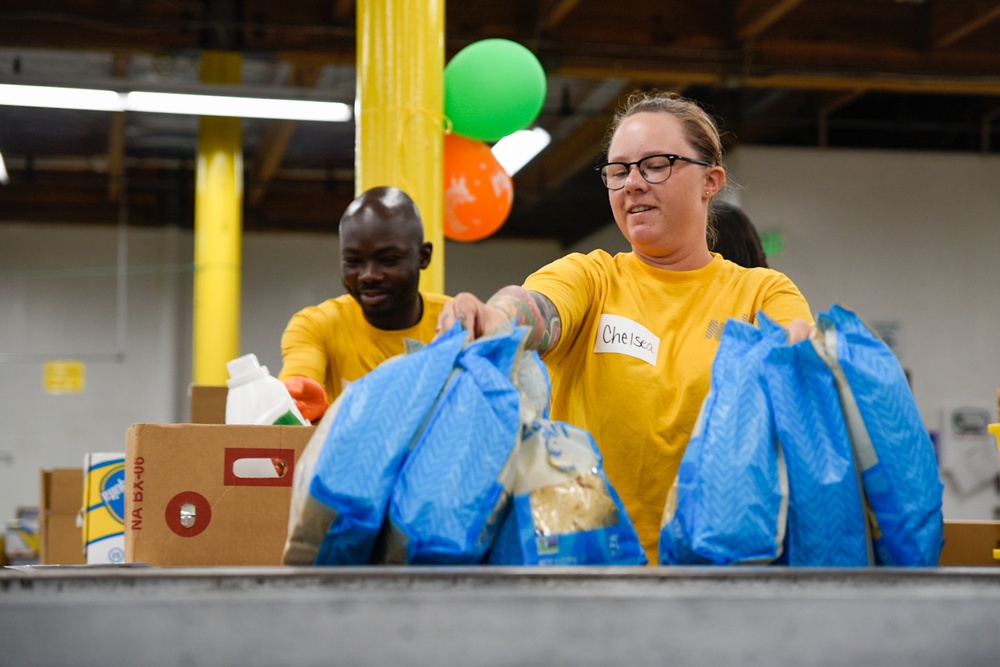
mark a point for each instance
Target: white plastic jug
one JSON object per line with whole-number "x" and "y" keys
{"x": 255, "y": 397}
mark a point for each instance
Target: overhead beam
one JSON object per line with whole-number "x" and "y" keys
{"x": 766, "y": 19}
{"x": 268, "y": 157}
{"x": 558, "y": 11}
{"x": 640, "y": 75}
{"x": 969, "y": 27}
{"x": 921, "y": 85}
{"x": 343, "y": 8}
{"x": 274, "y": 143}
{"x": 823, "y": 116}
{"x": 116, "y": 135}
{"x": 807, "y": 81}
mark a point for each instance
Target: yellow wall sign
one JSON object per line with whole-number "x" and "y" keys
{"x": 65, "y": 377}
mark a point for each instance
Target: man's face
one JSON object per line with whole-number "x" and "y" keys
{"x": 380, "y": 261}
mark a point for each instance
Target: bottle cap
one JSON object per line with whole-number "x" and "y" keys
{"x": 245, "y": 368}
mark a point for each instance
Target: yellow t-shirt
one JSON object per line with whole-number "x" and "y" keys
{"x": 335, "y": 345}
{"x": 634, "y": 362}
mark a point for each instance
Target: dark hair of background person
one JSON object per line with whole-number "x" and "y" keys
{"x": 737, "y": 239}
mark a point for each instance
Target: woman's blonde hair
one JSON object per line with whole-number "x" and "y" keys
{"x": 701, "y": 129}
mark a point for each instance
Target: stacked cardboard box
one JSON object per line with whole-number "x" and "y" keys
{"x": 59, "y": 515}
{"x": 971, "y": 544}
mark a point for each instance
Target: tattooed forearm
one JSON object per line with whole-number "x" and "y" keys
{"x": 532, "y": 310}
{"x": 552, "y": 325}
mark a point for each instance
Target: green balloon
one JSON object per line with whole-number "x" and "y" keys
{"x": 492, "y": 88}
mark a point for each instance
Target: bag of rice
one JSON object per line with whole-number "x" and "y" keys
{"x": 565, "y": 511}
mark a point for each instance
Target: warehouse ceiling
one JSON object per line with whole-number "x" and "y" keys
{"x": 884, "y": 74}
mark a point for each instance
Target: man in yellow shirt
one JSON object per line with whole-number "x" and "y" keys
{"x": 382, "y": 251}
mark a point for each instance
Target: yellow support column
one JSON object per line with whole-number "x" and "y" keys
{"x": 400, "y": 110}
{"x": 218, "y": 231}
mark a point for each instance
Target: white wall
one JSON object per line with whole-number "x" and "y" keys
{"x": 900, "y": 237}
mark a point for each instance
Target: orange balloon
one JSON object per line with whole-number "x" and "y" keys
{"x": 478, "y": 191}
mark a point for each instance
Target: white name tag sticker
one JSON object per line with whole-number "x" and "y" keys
{"x": 620, "y": 335}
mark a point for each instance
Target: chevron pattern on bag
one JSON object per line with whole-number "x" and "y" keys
{"x": 728, "y": 491}
{"x": 451, "y": 491}
{"x": 899, "y": 467}
{"x": 377, "y": 423}
{"x": 825, "y": 513}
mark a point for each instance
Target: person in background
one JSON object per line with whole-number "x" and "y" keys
{"x": 630, "y": 339}
{"x": 736, "y": 238}
{"x": 382, "y": 252}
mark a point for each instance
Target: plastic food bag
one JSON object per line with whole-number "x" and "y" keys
{"x": 565, "y": 511}
{"x": 371, "y": 431}
{"x": 729, "y": 501}
{"x": 863, "y": 486}
{"x": 308, "y": 518}
{"x": 453, "y": 489}
{"x": 826, "y": 522}
{"x": 892, "y": 448}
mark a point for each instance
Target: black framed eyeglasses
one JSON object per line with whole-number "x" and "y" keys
{"x": 653, "y": 168}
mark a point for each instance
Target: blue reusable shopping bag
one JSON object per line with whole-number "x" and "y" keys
{"x": 379, "y": 417}
{"x": 826, "y": 522}
{"x": 863, "y": 486}
{"x": 728, "y": 502}
{"x": 453, "y": 490}
{"x": 892, "y": 448}
{"x": 564, "y": 509}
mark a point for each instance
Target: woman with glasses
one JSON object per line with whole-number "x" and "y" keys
{"x": 630, "y": 339}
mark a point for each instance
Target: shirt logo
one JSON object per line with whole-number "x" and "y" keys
{"x": 717, "y": 327}
{"x": 620, "y": 335}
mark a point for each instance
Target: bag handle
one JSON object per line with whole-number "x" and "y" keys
{"x": 865, "y": 457}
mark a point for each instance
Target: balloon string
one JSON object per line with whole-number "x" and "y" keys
{"x": 413, "y": 113}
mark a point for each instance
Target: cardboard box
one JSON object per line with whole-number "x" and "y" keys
{"x": 208, "y": 404}
{"x": 59, "y": 513}
{"x": 209, "y": 494}
{"x": 104, "y": 507}
{"x": 20, "y": 538}
{"x": 970, "y": 543}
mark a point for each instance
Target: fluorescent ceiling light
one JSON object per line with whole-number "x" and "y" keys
{"x": 238, "y": 107}
{"x": 85, "y": 99}
{"x": 516, "y": 150}
{"x": 4, "y": 178}
{"x": 198, "y": 105}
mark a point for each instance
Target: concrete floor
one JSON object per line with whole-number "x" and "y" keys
{"x": 498, "y": 616}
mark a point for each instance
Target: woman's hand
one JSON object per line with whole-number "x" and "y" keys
{"x": 799, "y": 330}
{"x": 478, "y": 319}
